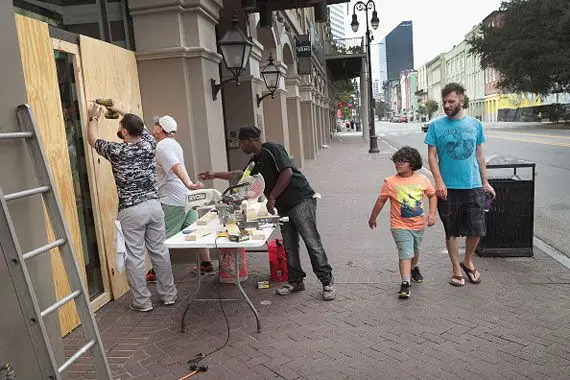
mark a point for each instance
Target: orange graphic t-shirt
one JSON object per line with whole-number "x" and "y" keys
{"x": 406, "y": 196}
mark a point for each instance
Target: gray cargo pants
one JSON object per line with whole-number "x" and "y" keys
{"x": 143, "y": 225}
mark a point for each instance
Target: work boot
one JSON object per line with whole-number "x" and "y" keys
{"x": 291, "y": 287}
{"x": 329, "y": 292}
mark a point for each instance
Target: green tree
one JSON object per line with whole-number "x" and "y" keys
{"x": 422, "y": 109}
{"x": 381, "y": 108}
{"x": 529, "y": 46}
{"x": 431, "y": 107}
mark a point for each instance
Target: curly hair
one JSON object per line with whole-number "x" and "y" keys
{"x": 408, "y": 154}
{"x": 452, "y": 87}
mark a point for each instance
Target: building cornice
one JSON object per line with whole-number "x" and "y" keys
{"x": 209, "y": 9}
{"x": 179, "y": 52}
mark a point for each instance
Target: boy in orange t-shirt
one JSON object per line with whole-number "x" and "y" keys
{"x": 406, "y": 190}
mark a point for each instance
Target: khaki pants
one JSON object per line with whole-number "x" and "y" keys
{"x": 143, "y": 225}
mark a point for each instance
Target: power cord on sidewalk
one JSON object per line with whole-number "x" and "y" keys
{"x": 194, "y": 364}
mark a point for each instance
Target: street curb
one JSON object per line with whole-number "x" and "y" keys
{"x": 551, "y": 251}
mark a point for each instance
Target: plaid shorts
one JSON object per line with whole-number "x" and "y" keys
{"x": 463, "y": 212}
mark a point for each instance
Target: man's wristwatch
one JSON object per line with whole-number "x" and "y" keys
{"x": 93, "y": 118}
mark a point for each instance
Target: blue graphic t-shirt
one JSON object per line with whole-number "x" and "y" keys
{"x": 456, "y": 142}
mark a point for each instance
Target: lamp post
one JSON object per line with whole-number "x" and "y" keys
{"x": 235, "y": 47}
{"x": 374, "y": 21}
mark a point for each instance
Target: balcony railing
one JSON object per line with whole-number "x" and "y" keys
{"x": 345, "y": 46}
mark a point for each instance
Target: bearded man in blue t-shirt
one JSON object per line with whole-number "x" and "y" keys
{"x": 456, "y": 159}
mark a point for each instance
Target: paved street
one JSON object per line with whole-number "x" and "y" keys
{"x": 547, "y": 145}
{"x": 514, "y": 325}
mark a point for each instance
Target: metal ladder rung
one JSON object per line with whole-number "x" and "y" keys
{"x": 77, "y": 355}
{"x": 27, "y": 193}
{"x": 15, "y": 135}
{"x": 60, "y": 303}
{"x": 43, "y": 249}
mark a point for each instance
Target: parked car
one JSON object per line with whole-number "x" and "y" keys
{"x": 403, "y": 119}
{"x": 425, "y": 127}
{"x": 395, "y": 119}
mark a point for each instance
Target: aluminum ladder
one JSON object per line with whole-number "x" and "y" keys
{"x": 18, "y": 269}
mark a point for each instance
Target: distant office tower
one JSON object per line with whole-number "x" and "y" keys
{"x": 399, "y": 45}
{"x": 383, "y": 67}
{"x": 337, "y": 15}
{"x": 376, "y": 89}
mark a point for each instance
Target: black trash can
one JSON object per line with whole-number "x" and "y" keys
{"x": 510, "y": 221}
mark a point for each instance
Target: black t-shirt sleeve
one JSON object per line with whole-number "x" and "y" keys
{"x": 280, "y": 157}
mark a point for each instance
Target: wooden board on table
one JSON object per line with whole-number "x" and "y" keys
{"x": 207, "y": 218}
{"x": 198, "y": 234}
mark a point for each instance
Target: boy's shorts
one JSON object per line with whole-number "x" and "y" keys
{"x": 407, "y": 242}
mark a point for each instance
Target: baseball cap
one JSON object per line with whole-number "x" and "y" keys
{"x": 249, "y": 131}
{"x": 167, "y": 123}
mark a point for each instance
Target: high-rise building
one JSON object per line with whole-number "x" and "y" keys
{"x": 376, "y": 89}
{"x": 337, "y": 16}
{"x": 399, "y": 45}
{"x": 383, "y": 65}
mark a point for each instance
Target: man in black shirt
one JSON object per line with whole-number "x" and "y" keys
{"x": 287, "y": 189}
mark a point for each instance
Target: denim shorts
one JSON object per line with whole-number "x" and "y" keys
{"x": 407, "y": 242}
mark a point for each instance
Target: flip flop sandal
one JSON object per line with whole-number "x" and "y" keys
{"x": 457, "y": 281}
{"x": 471, "y": 274}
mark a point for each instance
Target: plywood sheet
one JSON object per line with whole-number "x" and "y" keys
{"x": 73, "y": 49}
{"x": 109, "y": 72}
{"x": 43, "y": 95}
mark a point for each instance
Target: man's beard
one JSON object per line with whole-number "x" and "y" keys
{"x": 120, "y": 135}
{"x": 454, "y": 111}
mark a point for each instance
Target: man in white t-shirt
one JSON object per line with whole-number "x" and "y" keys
{"x": 174, "y": 184}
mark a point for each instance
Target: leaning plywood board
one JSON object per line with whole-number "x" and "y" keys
{"x": 109, "y": 72}
{"x": 42, "y": 89}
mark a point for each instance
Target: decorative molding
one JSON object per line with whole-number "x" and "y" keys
{"x": 257, "y": 50}
{"x": 206, "y": 9}
{"x": 179, "y": 52}
{"x": 292, "y": 81}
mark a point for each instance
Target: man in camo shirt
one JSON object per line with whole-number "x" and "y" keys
{"x": 142, "y": 219}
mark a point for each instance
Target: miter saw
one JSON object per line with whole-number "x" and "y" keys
{"x": 238, "y": 203}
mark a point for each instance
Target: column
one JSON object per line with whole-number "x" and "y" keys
{"x": 365, "y": 94}
{"x": 307, "y": 122}
{"x": 328, "y": 128}
{"x": 181, "y": 60}
{"x": 315, "y": 130}
{"x": 319, "y": 121}
{"x": 275, "y": 118}
{"x": 27, "y": 217}
{"x": 240, "y": 108}
{"x": 323, "y": 122}
{"x": 294, "y": 119}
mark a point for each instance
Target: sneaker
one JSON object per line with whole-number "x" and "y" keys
{"x": 291, "y": 287}
{"x": 206, "y": 267}
{"x": 329, "y": 292}
{"x": 142, "y": 309}
{"x": 150, "y": 276}
{"x": 416, "y": 275}
{"x": 169, "y": 303}
{"x": 404, "y": 290}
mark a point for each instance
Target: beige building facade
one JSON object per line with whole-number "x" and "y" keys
{"x": 154, "y": 57}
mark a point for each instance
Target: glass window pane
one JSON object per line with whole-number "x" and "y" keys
{"x": 107, "y": 20}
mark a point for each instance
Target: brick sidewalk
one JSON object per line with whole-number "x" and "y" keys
{"x": 514, "y": 325}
